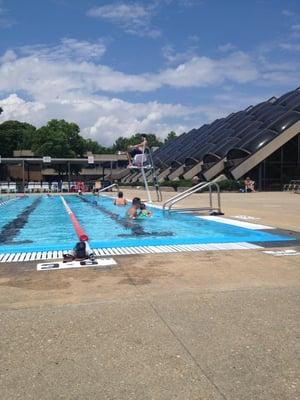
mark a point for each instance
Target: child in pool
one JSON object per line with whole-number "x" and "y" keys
{"x": 144, "y": 212}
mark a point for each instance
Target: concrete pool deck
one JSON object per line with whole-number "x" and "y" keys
{"x": 207, "y": 325}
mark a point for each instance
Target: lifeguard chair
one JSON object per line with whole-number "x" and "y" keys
{"x": 141, "y": 160}
{"x": 144, "y": 162}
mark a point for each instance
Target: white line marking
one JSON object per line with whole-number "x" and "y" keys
{"x": 104, "y": 262}
{"x": 241, "y": 224}
{"x": 282, "y": 253}
{"x": 245, "y": 217}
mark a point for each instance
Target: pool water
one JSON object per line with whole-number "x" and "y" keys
{"x": 42, "y": 223}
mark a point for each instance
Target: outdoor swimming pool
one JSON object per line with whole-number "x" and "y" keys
{"x": 41, "y": 223}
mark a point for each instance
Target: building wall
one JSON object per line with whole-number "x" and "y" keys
{"x": 279, "y": 168}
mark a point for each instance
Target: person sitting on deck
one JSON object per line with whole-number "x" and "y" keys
{"x": 81, "y": 251}
{"x": 132, "y": 151}
{"x": 120, "y": 201}
{"x": 132, "y": 212}
{"x": 249, "y": 185}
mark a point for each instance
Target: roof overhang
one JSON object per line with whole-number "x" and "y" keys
{"x": 256, "y": 158}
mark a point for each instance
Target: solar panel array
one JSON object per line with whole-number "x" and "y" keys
{"x": 234, "y": 137}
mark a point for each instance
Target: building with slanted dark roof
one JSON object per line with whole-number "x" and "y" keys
{"x": 262, "y": 141}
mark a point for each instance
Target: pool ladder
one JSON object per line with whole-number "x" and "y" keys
{"x": 108, "y": 187}
{"x": 168, "y": 205}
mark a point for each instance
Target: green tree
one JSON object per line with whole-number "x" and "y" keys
{"x": 171, "y": 136}
{"x": 59, "y": 139}
{"x": 15, "y": 135}
{"x": 122, "y": 143}
{"x": 94, "y": 147}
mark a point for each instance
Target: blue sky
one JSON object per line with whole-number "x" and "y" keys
{"x": 120, "y": 67}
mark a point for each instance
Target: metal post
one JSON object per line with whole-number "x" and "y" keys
{"x": 260, "y": 173}
{"x": 219, "y": 198}
{"x": 69, "y": 174}
{"x": 210, "y": 198}
{"x": 28, "y": 173}
{"x": 146, "y": 185}
{"x": 23, "y": 175}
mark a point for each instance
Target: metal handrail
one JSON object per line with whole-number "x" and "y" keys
{"x": 191, "y": 189}
{"x": 108, "y": 187}
{"x": 200, "y": 187}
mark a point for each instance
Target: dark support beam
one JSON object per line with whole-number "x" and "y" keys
{"x": 28, "y": 172}
{"x": 69, "y": 176}
{"x": 260, "y": 176}
{"x": 23, "y": 175}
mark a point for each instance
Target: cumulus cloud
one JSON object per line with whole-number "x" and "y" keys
{"x": 41, "y": 72}
{"x": 105, "y": 119}
{"x": 39, "y": 83}
{"x": 8, "y": 56}
{"x": 204, "y": 71}
{"x": 134, "y": 18}
{"x": 172, "y": 57}
{"x": 226, "y": 47}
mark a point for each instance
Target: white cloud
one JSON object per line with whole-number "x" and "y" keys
{"x": 204, "y": 71}
{"x": 70, "y": 68}
{"x": 173, "y": 57}
{"x": 120, "y": 12}
{"x": 134, "y": 18}
{"x": 68, "y": 48}
{"x": 50, "y": 73}
{"x": 17, "y": 108}
{"x": 189, "y": 3}
{"x": 105, "y": 119}
{"x": 295, "y": 27}
{"x": 39, "y": 83}
{"x": 293, "y": 47}
{"x": 288, "y": 13}
{"x": 226, "y": 47}
{"x": 8, "y": 56}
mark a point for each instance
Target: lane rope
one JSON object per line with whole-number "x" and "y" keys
{"x": 82, "y": 236}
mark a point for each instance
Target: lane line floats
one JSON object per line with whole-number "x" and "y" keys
{"x": 82, "y": 236}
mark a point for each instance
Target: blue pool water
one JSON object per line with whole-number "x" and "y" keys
{"x": 48, "y": 226}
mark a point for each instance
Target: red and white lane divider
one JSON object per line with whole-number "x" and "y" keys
{"x": 82, "y": 236}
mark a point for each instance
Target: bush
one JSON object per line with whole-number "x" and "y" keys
{"x": 228, "y": 185}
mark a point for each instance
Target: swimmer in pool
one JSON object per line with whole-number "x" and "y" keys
{"x": 120, "y": 201}
{"x": 144, "y": 213}
{"x": 132, "y": 212}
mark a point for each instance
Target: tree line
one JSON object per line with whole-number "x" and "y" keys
{"x": 59, "y": 138}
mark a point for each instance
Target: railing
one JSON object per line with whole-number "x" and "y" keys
{"x": 293, "y": 186}
{"x": 108, "y": 187}
{"x": 196, "y": 189}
